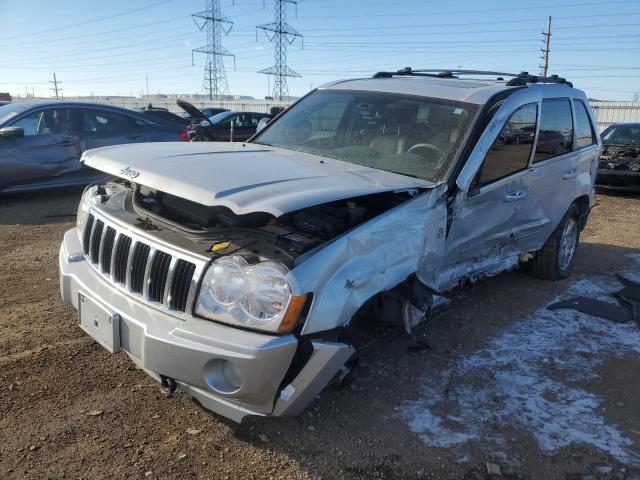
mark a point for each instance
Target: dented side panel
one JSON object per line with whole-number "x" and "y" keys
{"x": 372, "y": 258}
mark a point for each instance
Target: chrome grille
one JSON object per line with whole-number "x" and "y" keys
{"x": 142, "y": 267}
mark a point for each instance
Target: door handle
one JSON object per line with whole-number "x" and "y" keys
{"x": 515, "y": 196}
{"x": 66, "y": 143}
{"x": 132, "y": 136}
{"x": 570, "y": 174}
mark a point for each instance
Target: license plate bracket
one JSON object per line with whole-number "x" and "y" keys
{"x": 101, "y": 324}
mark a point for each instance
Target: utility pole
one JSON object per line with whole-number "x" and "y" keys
{"x": 547, "y": 48}
{"x": 281, "y": 34}
{"x": 215, "y": 78}
{"x": 57, "y": 90}
{"x": 146, "y": 79}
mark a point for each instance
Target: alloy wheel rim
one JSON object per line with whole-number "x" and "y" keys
{"x": 568, "y": 243}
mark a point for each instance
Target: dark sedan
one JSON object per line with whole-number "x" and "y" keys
{"x": 164, "y": 114}
{"x": 234, "y": 126}
{"x": 619, "y": 166}
{"x": 41, "y": 142}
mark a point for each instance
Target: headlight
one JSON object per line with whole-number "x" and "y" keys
{"x": 89, "y": 198}
{"x": 254, "y": 296}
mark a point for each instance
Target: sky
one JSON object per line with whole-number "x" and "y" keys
{"x": 112, "y": 48}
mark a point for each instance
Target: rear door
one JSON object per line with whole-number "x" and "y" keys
{"x": 101, "y": 128}
{"x": 243, "y": 127}
{"x": 49, "y": 149}
{"x": 556, "y": 166}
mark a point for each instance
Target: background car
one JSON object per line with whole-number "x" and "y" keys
{"x": 165, "y": 114}
{"x": 41, "y": 142}
{"x": 619, "y": 165}
{"x": 194, "y": 113}
{"x": 244, "y": 124}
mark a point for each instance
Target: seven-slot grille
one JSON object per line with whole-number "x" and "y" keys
{"x": 138, "y": 266}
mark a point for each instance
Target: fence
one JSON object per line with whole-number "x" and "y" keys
{"x": 609, "y": 112}
{"x": 238, "y": 105}
{"x": 606, "y": 112}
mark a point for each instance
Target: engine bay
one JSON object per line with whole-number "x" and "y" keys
{"x": 620, "y": 157}
{"x": 258, "y": 236}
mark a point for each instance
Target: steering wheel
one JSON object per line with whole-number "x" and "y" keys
{"x": 426, "y": 146}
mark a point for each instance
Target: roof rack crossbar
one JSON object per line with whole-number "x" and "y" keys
{"x": 517, "y": 79}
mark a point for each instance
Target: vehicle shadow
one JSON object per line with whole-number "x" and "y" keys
{"x": 40, "y": 208}
{"x": 357, "y": 431}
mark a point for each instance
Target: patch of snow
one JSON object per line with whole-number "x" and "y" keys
{"x": 528, "y": 378}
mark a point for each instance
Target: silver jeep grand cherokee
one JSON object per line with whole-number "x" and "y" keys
{"x": 248, "y": 274}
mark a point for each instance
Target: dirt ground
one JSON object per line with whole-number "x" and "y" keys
{"x": 434, "y": 405}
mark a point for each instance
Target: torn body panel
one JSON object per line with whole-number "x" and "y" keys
{"x": 372, "y": 258}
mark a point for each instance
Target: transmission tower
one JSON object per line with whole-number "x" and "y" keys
{"x": 215, "y": 23}
{"x": 281, "y": 34}
{"x": 56, "y": 89}
{"x": 544, "y": 68}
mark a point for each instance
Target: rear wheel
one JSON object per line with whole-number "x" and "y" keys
{"x": 554, "y": 261}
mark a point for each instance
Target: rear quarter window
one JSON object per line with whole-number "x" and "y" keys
{"x": 585, "y": 133}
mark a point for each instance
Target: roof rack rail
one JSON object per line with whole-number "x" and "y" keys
{"x": 521, "y": 78}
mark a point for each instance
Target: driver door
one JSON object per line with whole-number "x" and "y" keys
{"x": 486, "y": 223}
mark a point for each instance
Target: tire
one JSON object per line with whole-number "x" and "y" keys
{"x": 554, "y": 261}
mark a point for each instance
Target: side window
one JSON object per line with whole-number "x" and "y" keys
{"x": 585, "y": 135}
{"x": 47, "y": 121}
{"x": 106, "y": 122}
{"x": 556, "y": 129}
{"x": 512, "y": 148}
{"x": 255, "y": 119}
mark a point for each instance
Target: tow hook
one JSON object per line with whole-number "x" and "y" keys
{"x": 167, "y": 385}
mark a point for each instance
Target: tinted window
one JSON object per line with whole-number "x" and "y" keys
{"x": 512, "y": 148}
{"x": 556, "y": 129}
{"x": 104, "y": 121}
{"x": 48, "y": 121}
{"x": 255, "y": 119}
{"x": 584, "y": 130}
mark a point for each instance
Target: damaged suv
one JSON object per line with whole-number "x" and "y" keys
{"x": 243, "y": 273}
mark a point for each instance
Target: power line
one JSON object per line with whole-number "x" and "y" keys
{"x": 57, "y": 29}
{"x": 215, "y": 78}
{"x": 281, "y": 34}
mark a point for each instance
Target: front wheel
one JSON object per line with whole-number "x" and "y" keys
{"x": 554, "y": 261}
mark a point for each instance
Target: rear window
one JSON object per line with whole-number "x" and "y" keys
{"x": 585, "y": 135}
{"x": 555, "y": 136}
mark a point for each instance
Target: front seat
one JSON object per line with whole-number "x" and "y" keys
{"x": 395, "y": 133}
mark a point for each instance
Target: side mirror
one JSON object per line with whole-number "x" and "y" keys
{"x": 205, "y": 123}
{"x": 11, "y": 132}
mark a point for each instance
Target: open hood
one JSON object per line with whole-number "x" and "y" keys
{"x": 244, "y": 177}
{"x": 193, "y": 112}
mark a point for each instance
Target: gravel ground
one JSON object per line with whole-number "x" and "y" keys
{"x": 493, "y": 379}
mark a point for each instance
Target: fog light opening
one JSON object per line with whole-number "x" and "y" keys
{"x": 223, "y": 376}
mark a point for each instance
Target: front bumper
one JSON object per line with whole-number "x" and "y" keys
{"x": 618, "y": 180}
{"x": 191, "y": 351}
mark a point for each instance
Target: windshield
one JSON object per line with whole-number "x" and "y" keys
{"x": 219, "y": 117}
{"x": 411, "y": 135}
{"x": 11, "y": 110}
{"x": 622, "y": 135}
